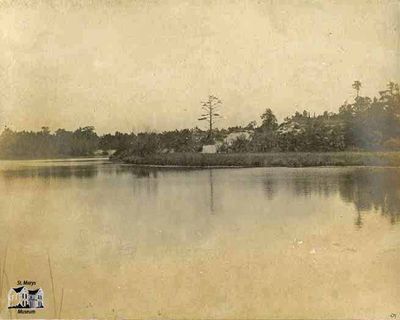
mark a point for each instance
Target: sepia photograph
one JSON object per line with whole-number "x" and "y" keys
{"x": 200, "y": 159}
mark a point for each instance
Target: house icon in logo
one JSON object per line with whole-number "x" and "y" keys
{"x": 22, "y": 298}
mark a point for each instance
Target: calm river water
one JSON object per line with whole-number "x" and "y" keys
{"x": 160, "y": 243}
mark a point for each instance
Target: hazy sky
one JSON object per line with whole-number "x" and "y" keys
{"x": 134, "y": 65}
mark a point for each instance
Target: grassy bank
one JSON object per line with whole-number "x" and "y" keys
{"x": 290, "y": 159}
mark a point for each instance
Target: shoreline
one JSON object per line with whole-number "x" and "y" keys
{"x": 267, "y": 160}
{"x": 51, "y": 158}
{"x": 160, "y": 166}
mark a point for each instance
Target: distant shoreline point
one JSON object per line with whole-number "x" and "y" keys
{"x": 250, "y": 160}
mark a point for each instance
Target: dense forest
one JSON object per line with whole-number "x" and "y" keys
{"x": 365, "y": 124}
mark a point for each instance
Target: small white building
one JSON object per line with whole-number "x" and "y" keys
{"x": 209, "y": 148}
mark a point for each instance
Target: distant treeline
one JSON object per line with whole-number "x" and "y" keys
{"x": 365, "y": 124}
{"x": 61, "y": 143}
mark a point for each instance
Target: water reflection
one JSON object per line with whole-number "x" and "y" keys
{"x": 137, "y": 172}
{"x": 211, "y": 183}
{"x": 377, "y": 190}
{"x": 152, "y": 173}
{"x": 66, "y": 172}
{"x": 369, "y": 189}
{"x": 270, "y": 188}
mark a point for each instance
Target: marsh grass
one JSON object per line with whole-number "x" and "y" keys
{"x": 3, "y": 269}
{"x": 4, "y": 278}
{"x": 57, "y": 311}
{"x": 61, "y": 303}
{"x": 282, "y": 159}
{"x": 52, "y": 286}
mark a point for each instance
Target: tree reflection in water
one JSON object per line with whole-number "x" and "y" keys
{"x": 152, "y": 172}
{"x": 211, "y": 183}
{"x": 374, "y": 189}
{"x": 51, "y": 172}
{"x": 369, "y": 189}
